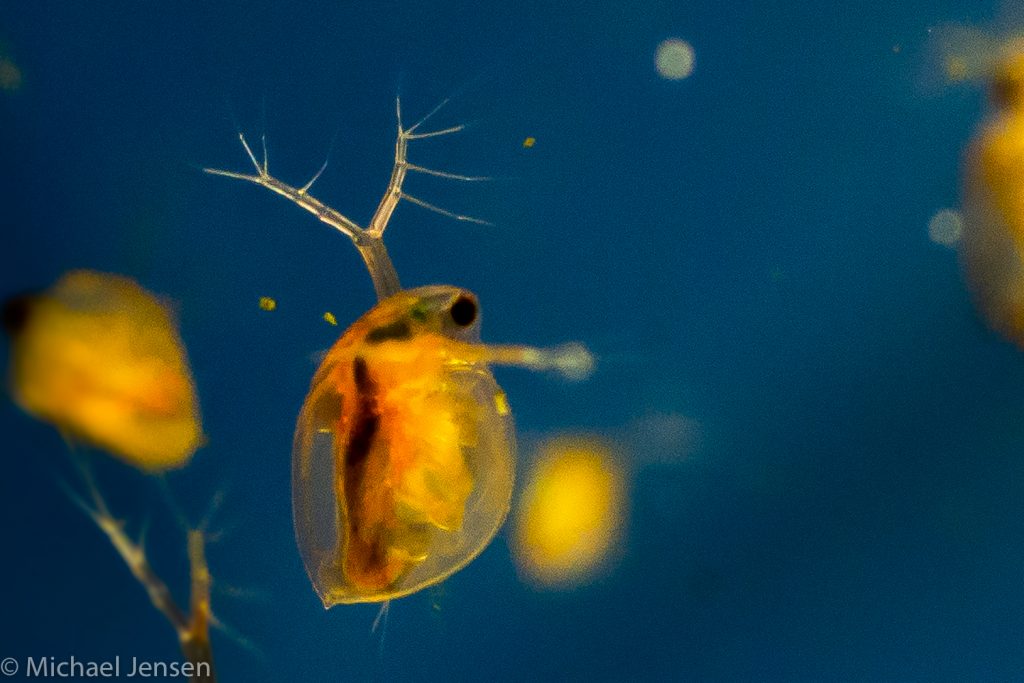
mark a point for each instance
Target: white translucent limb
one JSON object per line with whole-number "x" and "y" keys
{"x": 133, "y": 553}
{"x": 266, "y": 164}
{"x": 172, "y": 503}
{"x": 412, "y": 128}
{"x": 237, "y": 637}
{"x": 316, "y": 176}
{"x": 381, "y": 622}
{"x": 298, "y": 196}
{"x": 434, "y": 133}
{"x": 211, "y": 511}
{"x": 446, "y": 174}
{"x": 443, "y": 212}
{"x": 572, "y": 360}
{"x": 382, "y": 616}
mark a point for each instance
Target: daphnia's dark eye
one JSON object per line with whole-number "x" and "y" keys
{"x": 463, "y": 311}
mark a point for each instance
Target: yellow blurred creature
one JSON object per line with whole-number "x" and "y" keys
{"x": 99, "y": 357}
{"x": 992, "y": 246}
{"x": 992, "y": 240}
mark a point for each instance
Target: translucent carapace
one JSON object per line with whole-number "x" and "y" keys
{"x": 403, "y": 458}
{"x": 403, "y": 454}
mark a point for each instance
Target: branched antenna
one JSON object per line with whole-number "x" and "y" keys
{"x": 367, "y": 239}
{"x": 193, "y": 628}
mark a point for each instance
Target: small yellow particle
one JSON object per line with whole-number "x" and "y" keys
{"x": 501, "y": 403}
{"x": 330, "y": 319}
{"x": 529, "y": 142}
{"x": 267, "y": 304}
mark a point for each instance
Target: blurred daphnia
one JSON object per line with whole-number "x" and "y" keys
{"x": 404, "y": 452}
{"x": 992, "y": 240}
{"x": 101, "y": 359}
{"x": 992, "y": 246}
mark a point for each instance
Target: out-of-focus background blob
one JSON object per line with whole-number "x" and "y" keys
{"x": 958, "y": 53}
{"x": 572, "y": 512}
{"x": 674, "y": 59}
{"x": 662, "y": 438}
{"x": 10, "y": 74}
{"x": 945, "y": 227}
{"x": 100, "y": 358}
{"x": 992, "y": 247}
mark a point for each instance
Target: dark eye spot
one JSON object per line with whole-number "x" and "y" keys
{"x": 463, "y": 311}
{"x": 16, "y": 312}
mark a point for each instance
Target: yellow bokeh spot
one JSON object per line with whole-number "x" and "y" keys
{"x": 267, "y": 304}
{"x": 572, "y": 513}
{"x": 330, "y": 319}
{"x": 674, "y": 59}
{"x": 529, "y": 142}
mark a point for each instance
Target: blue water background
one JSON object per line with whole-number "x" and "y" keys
{"x": 746, "y": 247}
